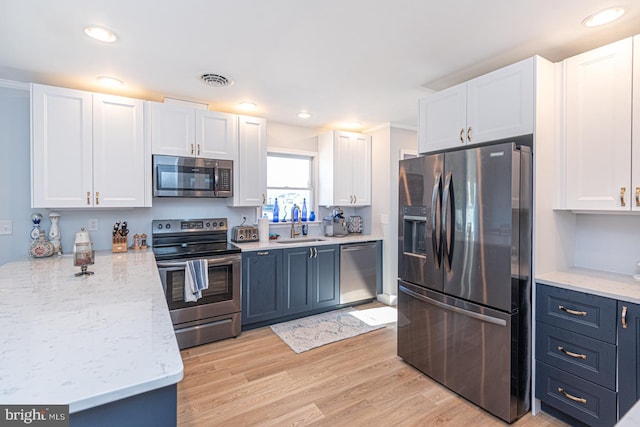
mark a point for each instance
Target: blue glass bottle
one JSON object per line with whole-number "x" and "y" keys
{"x": 296, "y": 212}
{"x": 276, "y": 211}
{"x": 304, "y": 210}
{"x": 312, "y": 216}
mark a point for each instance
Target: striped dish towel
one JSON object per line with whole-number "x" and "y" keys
{"x": 196, "y": 279}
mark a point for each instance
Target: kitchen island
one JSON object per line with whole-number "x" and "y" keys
{"x": 103, "y": 344}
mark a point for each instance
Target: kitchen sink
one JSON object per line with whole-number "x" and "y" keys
{"x": 301, "y": 240}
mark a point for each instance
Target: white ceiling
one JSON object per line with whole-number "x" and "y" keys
{"x": 341, "y": 60}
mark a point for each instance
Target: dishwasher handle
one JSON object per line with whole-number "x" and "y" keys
{"x": 357, "y": 246}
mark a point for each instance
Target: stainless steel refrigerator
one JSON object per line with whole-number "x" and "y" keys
{"x": 464, "y": 266}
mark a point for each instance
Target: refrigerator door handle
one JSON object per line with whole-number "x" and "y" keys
{"x": 436, "y": 226}
{"x": 448, "y": 204}
{"x": 478, "y": 316}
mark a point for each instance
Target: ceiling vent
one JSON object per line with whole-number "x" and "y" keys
{"x": 216, "y": 80}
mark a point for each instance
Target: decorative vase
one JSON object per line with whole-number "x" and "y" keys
{"x": 54, "y": 233}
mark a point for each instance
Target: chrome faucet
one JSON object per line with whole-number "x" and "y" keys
{"x": 293, "y": 223}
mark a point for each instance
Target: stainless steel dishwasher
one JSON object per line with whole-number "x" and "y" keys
{"x": 358, "y": 272}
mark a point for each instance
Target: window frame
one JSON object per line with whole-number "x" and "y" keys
{"x": 313, "y": 186}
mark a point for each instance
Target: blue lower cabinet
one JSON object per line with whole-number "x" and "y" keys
{"x": 261, "y": 286}
{"x": 587, "y": 356}
{"x": 312, "y": 278}
{"x": 298, "y": 280}
{"x": 326, "y": 273}
{"x": 582, "y": 400}
{"x": 282, "y": 284}
{"x": 628, "y": 356}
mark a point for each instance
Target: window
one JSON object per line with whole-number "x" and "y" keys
{"x": 290, "y": 180}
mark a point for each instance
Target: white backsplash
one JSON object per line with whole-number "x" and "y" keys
{"x": 608, "y": 242}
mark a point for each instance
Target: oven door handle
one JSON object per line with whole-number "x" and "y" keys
{"x": 210, "y": 262}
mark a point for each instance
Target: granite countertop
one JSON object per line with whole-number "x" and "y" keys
{"x": 84, "y": 341}
{"x": 306, "y": 241}
{"x": 611, "y": 285}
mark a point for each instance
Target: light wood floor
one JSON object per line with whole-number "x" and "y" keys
{"x": 257, "y": 380}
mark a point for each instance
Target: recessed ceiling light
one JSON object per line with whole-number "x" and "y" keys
{"x": 304, "y": 114}
{"x": 604, "y": 17}
{"x": 109, "y": 81}
{"x": 100, "y": 34}
{"x": 247, "y": 106}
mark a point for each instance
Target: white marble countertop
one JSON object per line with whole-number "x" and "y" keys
{"x": 84, "y": 341}
{"x": 611, "y": 285}
{"x": 306, "y": 241}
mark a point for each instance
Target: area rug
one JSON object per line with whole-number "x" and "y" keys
{"x": 320, "y": 329}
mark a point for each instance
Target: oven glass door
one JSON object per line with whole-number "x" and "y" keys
{"x": 224, "y": 282}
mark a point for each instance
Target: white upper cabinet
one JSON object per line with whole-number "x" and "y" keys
{"x": 494, "y": 106}
{"x": 119, "y": 154}
{"x": 87, "y": 150}
{"x": 180, "y": 130}
{"x": 597, "y": 130}
{"x": 250, "y": 170}
{"x": 345, "y": 169}
{"x": 216, "y": 135}
{"x": 635, "y": 131}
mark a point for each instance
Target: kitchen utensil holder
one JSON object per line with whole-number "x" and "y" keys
{"x": 119, "y": 243}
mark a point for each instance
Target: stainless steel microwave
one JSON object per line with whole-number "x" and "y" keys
{"x": 192, "y": 177}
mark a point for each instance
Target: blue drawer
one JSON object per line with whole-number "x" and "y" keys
{"x": 583, "y": 400}
{"x": 586, "y": 314}
{"x": 588, "y": 358}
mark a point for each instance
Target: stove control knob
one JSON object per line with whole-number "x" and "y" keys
{"x": 215, "y": 224}
{"x": 168, "y": 226}
{"x": 159, "y": 226}
{"x": 221, "y": 224}
{"x": 208, "y": 224}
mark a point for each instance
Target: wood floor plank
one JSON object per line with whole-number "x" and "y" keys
{"x": 257, "y": 380}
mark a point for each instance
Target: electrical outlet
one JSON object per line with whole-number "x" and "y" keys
{"x": 92, "y": 224}
{"x": 6, "y": 227}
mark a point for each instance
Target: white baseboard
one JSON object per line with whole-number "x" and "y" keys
{"x": 388, "y": 299}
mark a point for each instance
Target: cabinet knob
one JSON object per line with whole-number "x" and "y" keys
{"x": 462, "y": 136}
{"x": 624, "y": 317}
{"x": 622, "y": 191}
{"x": 88, "y": 197}
{"x": 469, "y": 134}
{"x": 97, "y": 198}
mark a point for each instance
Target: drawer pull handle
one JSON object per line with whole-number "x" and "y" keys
{"x": 574, "y": 312}
{"x": 574, "y": 398}
{"x": 638, "y": 197}
{"x": 622, "y": 191}
{"x": 572, "y": 354}
{"x": 263, "y": 253}
{"x": 624, "y": 317}
{"x": 461, "y": 135}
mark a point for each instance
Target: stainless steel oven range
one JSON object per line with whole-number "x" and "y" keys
{"x": 216, "y": 315}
